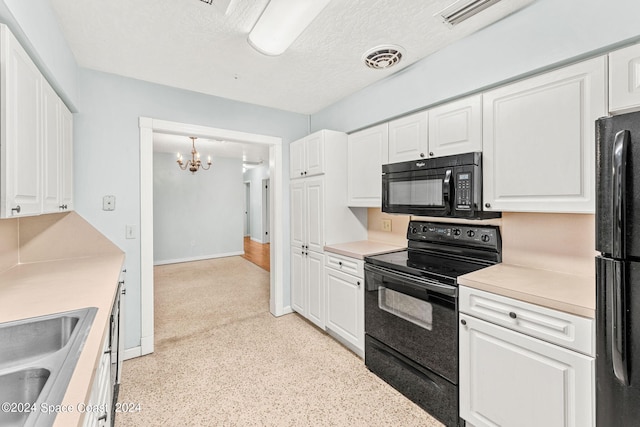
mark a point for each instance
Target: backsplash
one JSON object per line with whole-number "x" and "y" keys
{"x": 557, "y": 242}
{"x": 398, "y": 234}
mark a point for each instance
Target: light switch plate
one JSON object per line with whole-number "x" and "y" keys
{"x": 109, "y": 203}
{"x": 130, "y": 231}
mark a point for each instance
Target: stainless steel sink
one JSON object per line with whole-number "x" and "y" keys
{"x": 37, "y": 359}
{"x": 21, "y": 389}
{"x": 30, "y": 339}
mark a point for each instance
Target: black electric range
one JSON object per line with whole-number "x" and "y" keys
{"x": 411, "y": 310}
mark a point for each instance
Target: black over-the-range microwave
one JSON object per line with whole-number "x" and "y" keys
{"x": 449, "y": 186}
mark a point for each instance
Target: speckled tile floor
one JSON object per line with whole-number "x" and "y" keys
{"x": 222, "y": 359}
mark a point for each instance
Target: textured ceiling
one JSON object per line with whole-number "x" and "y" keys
{"x": 192, "y": 45}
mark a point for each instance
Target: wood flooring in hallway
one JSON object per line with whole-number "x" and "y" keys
{"x": 257, "y": 253}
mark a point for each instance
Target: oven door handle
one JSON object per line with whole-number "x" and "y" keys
{"x": 409, "y": 281}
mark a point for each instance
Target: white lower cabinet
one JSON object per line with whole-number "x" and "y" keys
{"x": 307, "y": 288}
{"x": 508, "y": 378}
{"x": 99, "y": 411}
{"x": 344, "y": 282}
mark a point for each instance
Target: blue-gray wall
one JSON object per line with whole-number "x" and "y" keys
{"x": 547, "y": 33}
{"x": 196, "y": 216}
{"x": 107, "y": 154}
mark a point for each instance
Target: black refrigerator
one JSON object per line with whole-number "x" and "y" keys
{"x": 618, "y": 271}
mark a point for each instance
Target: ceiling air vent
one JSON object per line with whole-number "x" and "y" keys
{"x": 463, "y": 9}
{"x": 381, "y": 57}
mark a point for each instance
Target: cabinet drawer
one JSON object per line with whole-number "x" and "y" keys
{"x": 345, "y": 264}
{"x": 564, "y": 329}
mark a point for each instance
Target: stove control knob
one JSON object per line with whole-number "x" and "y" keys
{"x": 471, "y": 233}
{"x": 456, "y": 231}
{"x": 414, "y": 230}
{"x": 485, "y": 237}
{"x": 424, "y": 228}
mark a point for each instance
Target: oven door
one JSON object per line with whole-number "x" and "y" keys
{"x": 426, "y": 192}
{"x": 415, "y": 317}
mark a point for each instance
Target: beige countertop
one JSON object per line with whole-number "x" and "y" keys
{"x": 361, "y": 248}
{"x": 560, "y": 291}
{"x": 55, "y": 263}
{"x": 36, "y": 289}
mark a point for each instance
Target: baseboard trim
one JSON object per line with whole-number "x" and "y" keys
{"x": 131, "y": 353}
{"x": 198, "y": 258}
{"x": 285, "y": 310}
{"x": 257, "y": 240}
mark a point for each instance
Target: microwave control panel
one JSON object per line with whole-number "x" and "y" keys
{"x": 464, "y": 192}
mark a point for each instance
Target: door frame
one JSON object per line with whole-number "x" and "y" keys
{"x": 266, "y": 198}
{"x": 276, "y": 169}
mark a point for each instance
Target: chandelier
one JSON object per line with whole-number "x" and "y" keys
{"x": 194, "y": 164}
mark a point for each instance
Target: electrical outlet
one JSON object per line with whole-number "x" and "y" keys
{"x": 386, "y": 225}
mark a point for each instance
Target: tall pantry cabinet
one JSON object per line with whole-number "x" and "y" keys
{"x": 319, "y": 216}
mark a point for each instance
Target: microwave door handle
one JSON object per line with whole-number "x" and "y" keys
{"x": 619, "y": 163}
{"x": 447, "y": 191}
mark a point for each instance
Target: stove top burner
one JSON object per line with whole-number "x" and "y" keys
{"x": 417, "y": 263}
{"x": 444, "y": 252}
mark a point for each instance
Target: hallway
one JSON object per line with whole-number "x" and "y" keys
{"x": 257, "y": 253}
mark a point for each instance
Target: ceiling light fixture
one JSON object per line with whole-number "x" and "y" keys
{"x": 282, "y": 22}
{"x": 194, "y": 164}
{"x": 462, "y": 10}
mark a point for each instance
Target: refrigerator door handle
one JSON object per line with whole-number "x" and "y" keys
{"x": 618, "y": 323}
{"x": 619, "y": 170}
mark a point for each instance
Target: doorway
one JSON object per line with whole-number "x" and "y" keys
{"x": 277, "y": 274}
{"x": 247, "y": 209}
{"x": 265, "y": 211}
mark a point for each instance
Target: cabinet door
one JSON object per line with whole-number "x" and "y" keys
{"x": 298, "y": 214}
{"x": 367, "y": 151}
{"x": 345, "y": 306}
{"x": 456, "y": 127}
{"x": 624, "y": 79}
{"x": 298, "y": 286}
{"x": 66, "y": 157}
{"x": 538, "y": 140}
{"x": 314, "y": 154}
{"x": 296, "y": 159}
{"x": 51, "y": 147}
{"x": 315, "y": 291}
{"x": 314, "y": 207}
{"x": 510, "y": 379}
{"x": 408, "y": 138}
{"x": 22, "y": 136}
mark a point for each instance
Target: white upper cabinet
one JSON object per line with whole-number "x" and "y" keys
{"x": 456, "y": 127}
{"x": 20, "y": 89}
{"x": 66, "y": 157}
{"x": 51, "y": 145}
{"x": 408, "y": 138}
{"x": 624, "y": 75}
{"x": 367, "y": 151}
{"x": 539, "y": 140}
{"x": 307, "y": 156}
{"x": 36, "y": 141}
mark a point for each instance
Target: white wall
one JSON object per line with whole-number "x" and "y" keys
{"x": 255, "y": 177}
{"x": 196, "y": 216}
{"x": 545, "y": 34}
